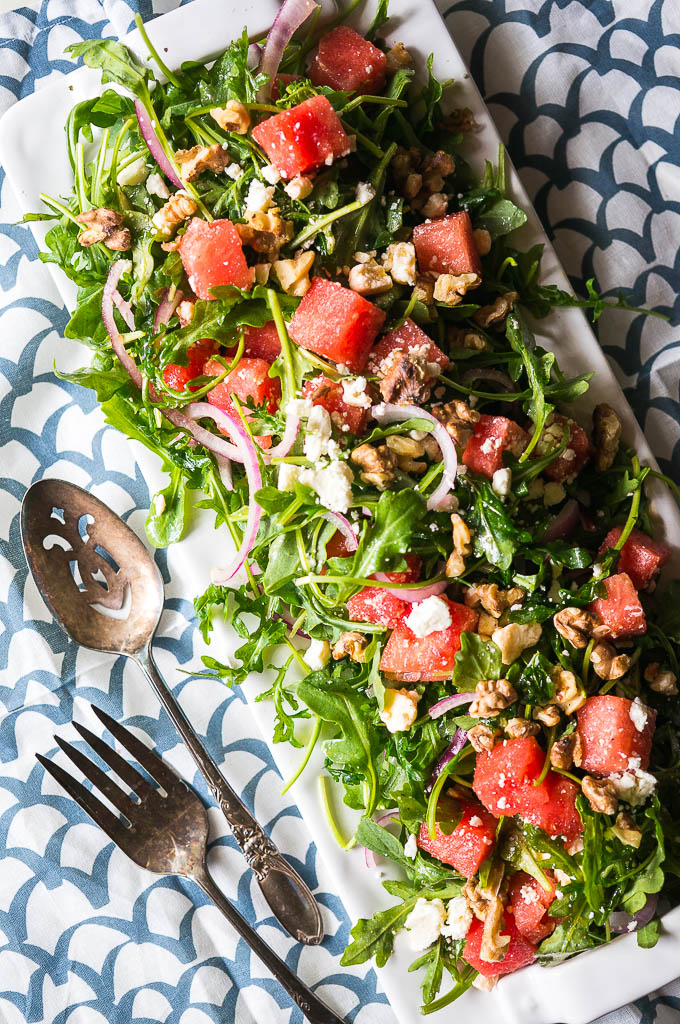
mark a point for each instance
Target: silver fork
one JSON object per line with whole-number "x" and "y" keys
{"x": 164, "y": 830}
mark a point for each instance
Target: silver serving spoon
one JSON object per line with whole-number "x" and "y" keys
{"x": 105, "y": 591}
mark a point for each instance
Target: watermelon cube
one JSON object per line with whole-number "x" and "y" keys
{"x": 177, "y": 376}
{"x": 212, "y": 255}
{"x": 349, "y": 419}
{"x": 411, "y": 658}
{"x": 520, "y": 952}
{"x": 348, "y": 62}
{"x": 407, "y": 337}
{"x": 250, "y": 379}
{"x": 447, "y": 246}
{"x": 529, "y": 903}
{"x": 552, "y": 806}
{"x": 502, "y": 776}
{"x": 303, "y": 138}
{"x": 574, "y": 457}
{"x": 376, "y": 604}
{"x": 470, "y": 842}
{"x": 621, "y": 610}
{"x": 611, "y": 737}
{"x": 641, "y": 557}
{"x": 493, "y": 435}
{"x": 335, "y": 322}
{"x": 262, "y": 342}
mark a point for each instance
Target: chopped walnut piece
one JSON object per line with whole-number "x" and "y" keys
{"x": 232, "y": 117}
{"x": 606, "y": 436}
{"x": 492, "y": 599}
{"x": 491, "y": 697}
{"x": 193, "y": 162}
{"x": 515, "y": 638}
{"x": 450, "y": 288}
{"x": 179, "y": 207}
{"x": 464, "y": 337}
{"x": 568, "y": 693}
{"x": 405, "y": 446}
{"x": 626, "y": 830}
{"x": 482, "y": 737}
{"x": 412, "y": 185}
{"x": 458, "y": 418}
{"x": 293, "y": 275}
{"x": 352, "y": 645}
{"x": 496, "y": 314}
{"x": 435, "y": 206}
{"x": 104, "y": 225}
{"x": 578, "y": 625}
{"x": 265, "y": 231}
{"x": 665, "y": 682}
{"x": 462, "y": 546}
{"x": 487, "y": 904}
{"x": 435, "y": 168}
{"x": 566, "y": 752}
{"x": 369, "y": 278}
{"x": 460, "y": 120}
{"x": 482, "y": 241}
{"x": 404, "y": 376}
{"x": 548, "y": 715}
{"x": 424, "y": 290}
{"x": 398, "y": 57}
{"x": 607, "y": 664}
{"x": 519, "y": 728}
{"x": 377, "y": 464}
{"x": 600, "y": 794}
{"x": 486, "y": 626}
{"x": 185, "y": 311}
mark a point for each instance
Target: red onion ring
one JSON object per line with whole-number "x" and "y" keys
{"x": 166, "y": 307}
{"x": 286, "y": 23}
{"x": 416, "y": 595}
{"x": 387, "y": 413}
{"x": 118, "y": 268}
{"x": 456, "y": 745}
{"x": 564, "y": 523}
{"x": 254, "y": 55}
{"x": 369, "y": 856}
{"x": 287, "y": 441}
{"x": 148, "y": 133}
{"x": 200, "y": 410}
{"x": 125, "y": 309}
{"x": 488, "y": 373}
{"x": 447, "y": 703}
{"x": 620, "y": 919}
{"x": 345, "y": 528}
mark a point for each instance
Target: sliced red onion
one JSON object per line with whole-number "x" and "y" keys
{"x": 620, "y": 921}
{"x": 587, "y": 522}
{"x": 290, "y": 434}
{"x": 286, "y": 23}
{"x": 166, "y": 307}
{"x": 387, "y": 413}
{"x": 488, "y": 373}
{"x": 201, "y": 410}
{"x": 564, "y": 523}
{"x": 125, "y": 309}
{"x": 448, "y": 703}
{"x": 345, "y": 528}
{"x": 416, "y": 595}
{"x": 369, "y": 856}
{"x": 148, "y": 133}
{"x": 118, "y": 268}
{"x": 254, "y": 55}
{"x": 184, "y": 419}
{"x": 456, "y": 745}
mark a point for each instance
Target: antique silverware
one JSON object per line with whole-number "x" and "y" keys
{"x": 164, "y": 830}
{"x": 105, "y": 591}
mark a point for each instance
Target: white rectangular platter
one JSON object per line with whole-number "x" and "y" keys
{"x": 33, "y": 153}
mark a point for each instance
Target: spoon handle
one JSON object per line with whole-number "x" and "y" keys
{"x": 288, "y": 896}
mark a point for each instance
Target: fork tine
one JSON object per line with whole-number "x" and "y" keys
{"x": 100, "y": 814}
{"x": 103, "y": 782}
{"x": 151, "y": 762}
{"x": 121, "y": 767}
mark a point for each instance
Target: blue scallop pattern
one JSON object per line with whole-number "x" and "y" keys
{"x": 587, "y": 96}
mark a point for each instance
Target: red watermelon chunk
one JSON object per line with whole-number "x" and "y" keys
{"x": 348, "y": 62}
{"x": 529, "y": 903}
{"x": 349, "y": 419}
{"x": 520, "y": 952}
{"x": 376, "y": 604}
{"x": 447, "y": 246}
{"x": 610, "y": 737}
{"x": 411, "y": 658}
{"x": 177, "y": 376}
{"x": 575, "y": 455}
{"x": 552, "y": 806}
{"x": 338, "y": 546}
{"x": 468, "y": 844}
{"x": 502, "y": 776}
{"x": 335, "y": 322}
{"x": 641, "y": 557}
{"x": 303, "y": 138}
{"x": 621, "y": 610}
{"x": 407, "y": 337}
{"x": 212, "y": 255}
{"x": 493, "y": 435}
{"x": 262, "y": 342}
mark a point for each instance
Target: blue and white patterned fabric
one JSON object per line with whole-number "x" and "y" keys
{"x": 587, "y": 96}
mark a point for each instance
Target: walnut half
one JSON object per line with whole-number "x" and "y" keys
{"x": 104, "y": 225}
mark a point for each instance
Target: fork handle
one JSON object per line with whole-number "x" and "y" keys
{"x": 314, "y": 1010}
{"x": 288, "y": 896}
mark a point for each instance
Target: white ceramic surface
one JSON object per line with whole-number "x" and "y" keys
{"x": 33, "y": 153}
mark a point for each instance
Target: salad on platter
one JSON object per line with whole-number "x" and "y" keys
{"x": 303, "y": 298}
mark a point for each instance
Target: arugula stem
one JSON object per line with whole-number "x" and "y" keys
{"x": 365, "y": 581}
{"x": 455, "y": 993}
{"x": 364, "y": 140}
{"x": 319, "y": 223}
{"x": 98, "y": 176}
{"x": 385, "y": 101}
{"x": 286, "y": 346}
{"x": 344, "y": 844}
{"x": 61, "y": 209}
{"x": 162, "y": 66}
{"x": 634, "y": 505}
{"x": 311, "y": 744}
{"x": 81, "y": 179}
{"x": 546, "y": 763}
{"x": 585, "y": 668}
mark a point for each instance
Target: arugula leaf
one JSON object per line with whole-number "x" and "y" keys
{"x": 593, "y": 847}
{"x": 502, "y": 218}
{"x": 538, "y": 366}
{"x": 374, "y": 936}
{"x": 651, "y": 878}
{"x": 648, "y": 935}
{"x": 571, "y": 936}
{"x": 474, "y": 661}
{"x": 116, "y": 62}
{"x": 376, "y": 838}
{"x": 668, "y": 615}
{"x": 496, "y": 538}
{"x": 167, "y": 514}
{"x": 535, "y": 684}
{"x": 389, "y": 535}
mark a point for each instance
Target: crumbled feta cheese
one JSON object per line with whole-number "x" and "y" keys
{"x": 429, "y": 616}
{"x": 634, "y": 762}
{"x": 458, "y": 919}
{"x": 475, "y": 821}
{"x": 332, "y": 483}
{"x": 501, "y": 482}
{"x": 299, "y": 188}
{"x": 562, "y": 877}
{"x": 134, "y": 173}
{"x": 529, "y": 894}
{"x": 364, "y": 192}
{"x": 553, "y": 493}
{"x": 318, "y": 654}
{"x": 638, "y": 715}
{"x": 502, "y": 802}
{"x": 300, "y": 407}
{"x": 259, "y": 198}
{"x": 411, "y": 847}
{"x": 634, "y": 786}
{"x": 354, "y": 393}
{"x": 270, "y": 174}
{"x": 155, "y": 186}
{"x": 400, "y": 709}
{"x": 535, "y": 489}
{"x": 400, "y": 259}
{"x": 319, "y": 432}
{"x": 288, "y": 475}
{"x": 424, "y": 923}
{"x": 233, "y": 171}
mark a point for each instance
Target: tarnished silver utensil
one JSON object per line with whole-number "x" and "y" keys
{"x": 105, "y": 591}
{"x": 164, "y": 830}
